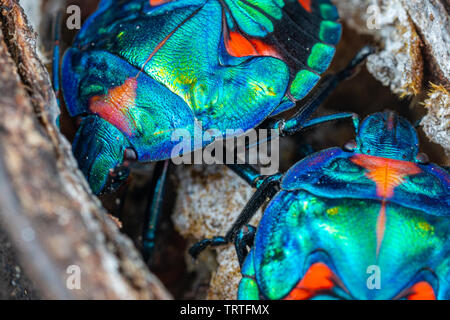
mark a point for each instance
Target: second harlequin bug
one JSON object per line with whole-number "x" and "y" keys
{"x": 376, "y": 205}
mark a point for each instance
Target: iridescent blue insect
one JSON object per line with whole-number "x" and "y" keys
{"x": 139, "y": 70}
{"x": 369, "y": 221}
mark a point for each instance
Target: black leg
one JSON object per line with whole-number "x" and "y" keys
{"x": 291, "y": 128}
{"x": 244, "y": 239}
{"x": 301, "y": 119}
{"x": 247, "y": 172}
{"x": 266, "y": 189}
{"x": 197, "y": 248}
{"x": 155, "y": 208}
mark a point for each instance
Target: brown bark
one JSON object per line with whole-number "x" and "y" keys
{"x": 46, "y": 208}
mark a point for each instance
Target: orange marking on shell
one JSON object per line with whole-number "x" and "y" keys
{"x": 306, "y": 4}
{"x": 386, "y": 173}
{"x": 422, "y": 291}
{"x": 155, "y": 3}
{"x": 114, "y": 106}
{"x": 317, "y": 279}
{"x": 239, "y": 46}
{"x": 381, "y": 225}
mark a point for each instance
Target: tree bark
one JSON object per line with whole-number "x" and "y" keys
{"x": 47, "y": 211}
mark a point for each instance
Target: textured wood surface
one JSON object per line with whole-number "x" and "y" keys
{"x": 46, "y": 209}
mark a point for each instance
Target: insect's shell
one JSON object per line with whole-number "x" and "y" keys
{"x": 138, "y": 70}
{"x": 341, "y": 214}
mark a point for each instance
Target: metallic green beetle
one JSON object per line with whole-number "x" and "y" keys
{"x": 138, "y": 70}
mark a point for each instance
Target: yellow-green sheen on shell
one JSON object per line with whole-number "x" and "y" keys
{"x": 190, "y": 74}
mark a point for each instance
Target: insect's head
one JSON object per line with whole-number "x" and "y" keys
{"x": 388, "y": 135}
{"x": 100, "y": 149}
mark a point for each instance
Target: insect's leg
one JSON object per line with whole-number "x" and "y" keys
{"x": 155, "y": 208}
{"x": 243, "y": 240}
{"x": 301, "y": 119}
{"x": 197, "y": 248}
{"x": 313, "y": 101}
{"x": 247, "y": 172}
{"x": 297, "y": 124}
{"x": 291, "y": 127}
{"x": 266, "y": 189}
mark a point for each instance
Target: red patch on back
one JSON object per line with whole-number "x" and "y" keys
{"x": 318, "y": 278}
{"x": 381, "y": 225}
{"x": 421, "y": 291}
{"x": 239, "y": 46}
{"x": 155, "y": 3}
{"x": 114, "y": 106}
{"x": 386, "y": 173}
{"x": 306, "y": 4}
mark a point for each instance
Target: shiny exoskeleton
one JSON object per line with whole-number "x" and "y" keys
{"x": 139, "y": 70}
{"x": 367, "y": 221}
